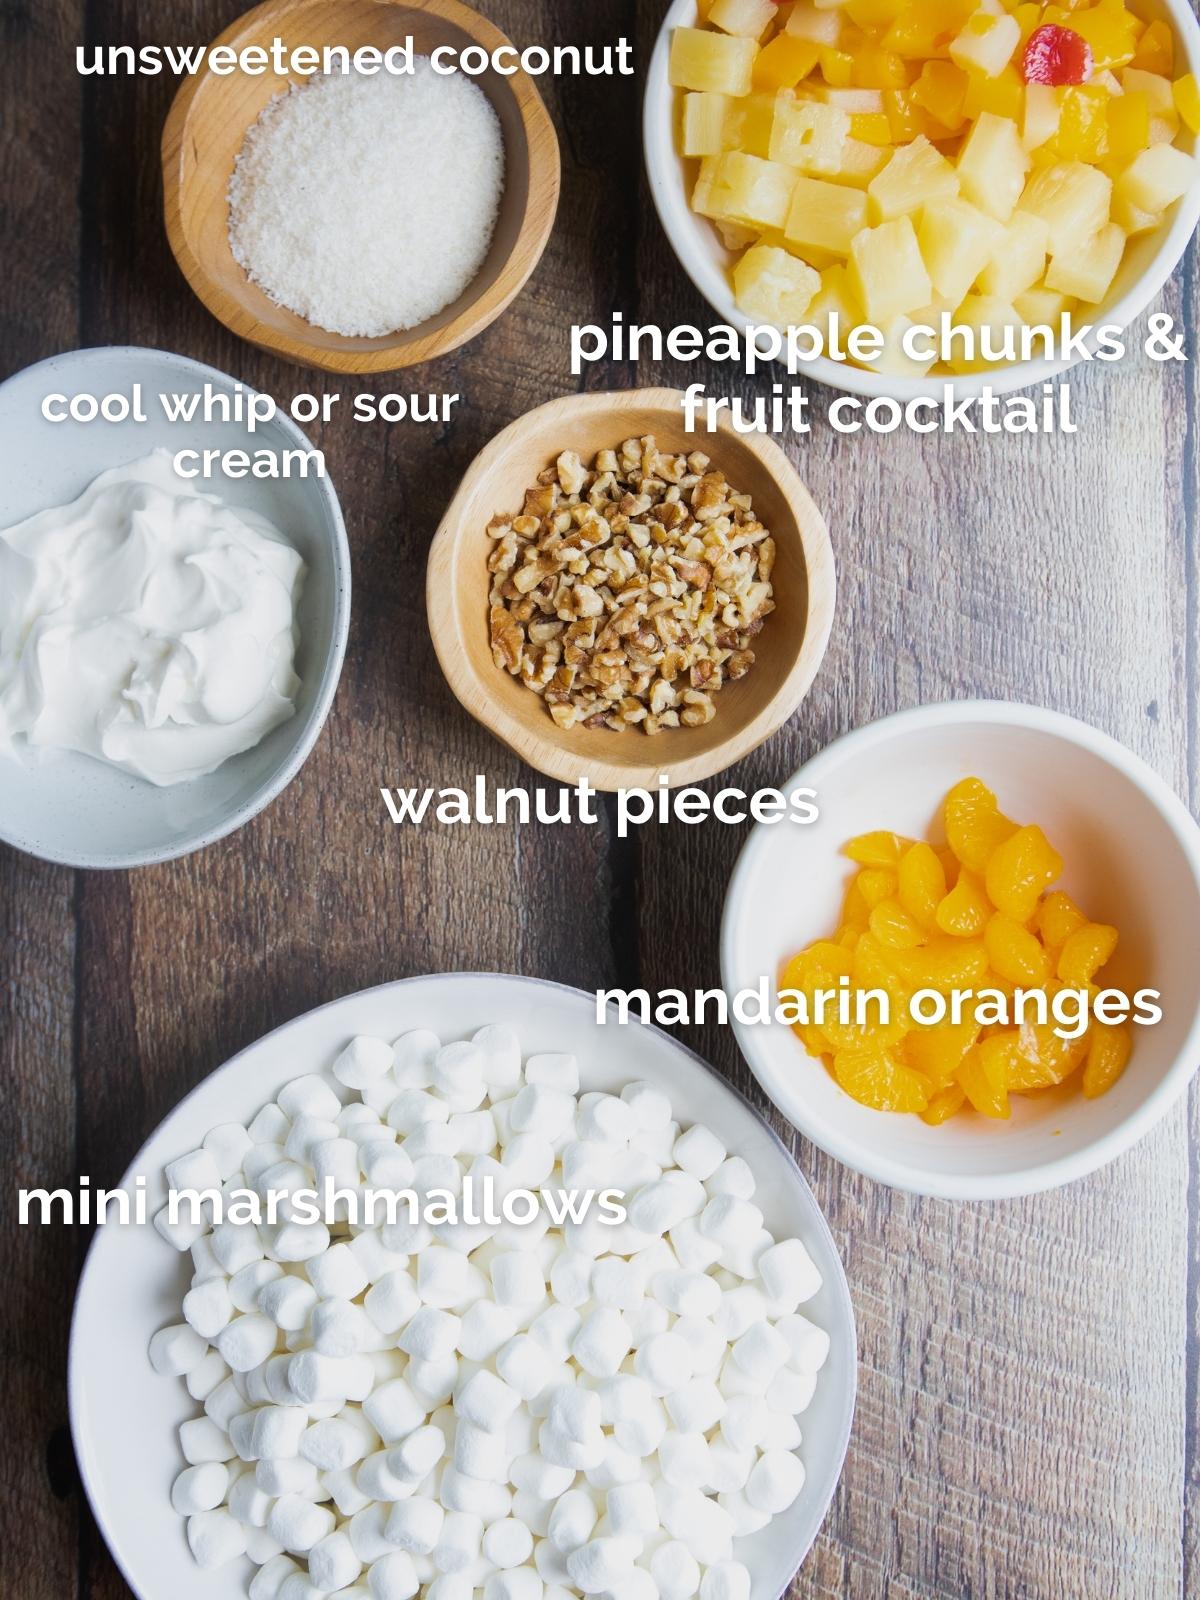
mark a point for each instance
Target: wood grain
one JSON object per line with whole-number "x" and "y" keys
{"x": 1030, "y": 1372}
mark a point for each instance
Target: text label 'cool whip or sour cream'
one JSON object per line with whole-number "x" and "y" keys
{"x": 147, "y": 625}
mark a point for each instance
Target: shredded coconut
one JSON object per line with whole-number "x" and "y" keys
{"x": 368, "y": 204}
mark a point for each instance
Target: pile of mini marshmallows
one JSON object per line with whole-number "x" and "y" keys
{"x": 521, "y": 1412}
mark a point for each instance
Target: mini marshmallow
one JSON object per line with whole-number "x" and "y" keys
{"x": 206, "y": 1376}
{"x": 299, "y": 1241}
{"x": 341, "y": 1328}
{"x": 520, "y": 1583}
{"x": 393, "y": 1410}
{"x": 533, "y": 1474}
{"x": 368, "y": 1249}
{"x": 248, "y": 1503}
{"x": 485, "y": 1328}
{"x": 198, "y": 1170}
{"x": 728, "y": 1580}
{"x": 177, "y": 1351}
{"x": 343, "y": 1488}
{"x": 555, "y": 1329}
{"x": 201, "y": 1441}
{"x": 477, "y": 1497}
{"x": 731, "y": 1221}
{"x": 393, "y": 1577}
{"x": 298, "y": 1524}
{"x": 431, "y": 1334}
{"x": 605, "y": 1119}
{"x": 541, "y": 1109}
{"x": 366, "y": 1533}
{"x": 207, "y": 1308}
{"x": 683, "y": 1458}
{"x": 182, "y": 1232}
{"x": 663, "y": 1205}
{"x": 554, "y": 1071}
{"x": 745, "y": 1422}
{"x": 650, "y": 1107}
{"x": 305, "y": 1134}
{"x": 789, "y": 1393}
{"x": 415, "y": 1457}
{"x": 392, "y": 1302}
{"x": 523, "y": 1364}
{"x": 309, "y": 1096}
{"x": 789, "y": 1274}
{"x": 269, "y": 1578}
{"x": 687, "y": 1294}
{"x": 378, "y": 1478}
{"x": 728, "y": 1469}
{"x": 500, "y": 1056}
{"x": 412, "y": 1108}
{"x": 696, "y": 1407}
{"x": 694, "y": 1252}
{"x": 288, "y": 1301}
{"x": 247, "y": 1284}
{"x": 732, "y": 1177}
{"x": 215, "y": 1538}
{"x": 739, "y": 1310}
{"x": 602, "y": 1342}
{"x": 699, "y": 1152}
{"x": 665, "y": 1361}
{"x": 775, "y": 1482}
{"x": 487, "y": 1401}
{"x": 507, "y": 1543}
{"x": 316, "y": 1378}
{"x": 360, "y": 1063}
{"x": 675, "y": 1570}
{"x": 760, "y": 1352}
{"x": 441, "y": 1276}
{"x": 602, "y": 1564}
{"x": 458, "y": 1545}
{"x": 479, "y": 1454}
{"x": 571, "y": 1522}
{"x": 571, "y": 1278}
{"x": 337, "y": 1274}
{"x": 632, "y": 1511}
{"x": 808, "y": 1345}
{"x": 517, "y": 1279}
{"x": 415, "y": 1525}
{"x": 298, "y": 1587}
{"x": 270, "y": 1126}
{"x": 200, "y": 1488}
{"x": 336, "y": 1443}
{"x": 433, "y": 1381}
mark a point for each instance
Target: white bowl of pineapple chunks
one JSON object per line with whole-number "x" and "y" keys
{"x": 958, "y": 174}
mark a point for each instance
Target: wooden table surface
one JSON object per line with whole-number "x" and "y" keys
{"x": 1027, "y": 1418}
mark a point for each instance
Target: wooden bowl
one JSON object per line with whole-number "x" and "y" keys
{"x": 788, "y": 651}
{"x": 211, "y": 116}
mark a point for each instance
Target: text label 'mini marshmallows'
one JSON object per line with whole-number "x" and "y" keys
{"x": 518, "y": 1412}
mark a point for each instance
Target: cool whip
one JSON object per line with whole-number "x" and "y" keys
{"x": 146, "y": 625}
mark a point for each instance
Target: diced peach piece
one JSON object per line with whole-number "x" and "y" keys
{"x": 1186, "y": 93}
{"x": 719, "y": 62}
{"x": 986, "y": 43}
{"x": 825, "y": 215}
{"x": 887, "y": 272}
{"x": 1156, "y": 178}
{"x": 916, "y": 174}
{"x": 992, "y": 166}
{"x": 1019, "y": 259}
{"x": 773, "y": 286}
{"x": 783, "y": 61}
{"x": 808, "y": 136}
{"x": 1087, "y": 270}
{"x": 1072, "y": 199}
{"x": 957, "y": 241}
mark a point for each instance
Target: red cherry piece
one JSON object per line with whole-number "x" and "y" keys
{"x": 1057, "y": 56}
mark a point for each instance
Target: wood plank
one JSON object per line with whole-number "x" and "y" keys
{"x": 39, "y": 222}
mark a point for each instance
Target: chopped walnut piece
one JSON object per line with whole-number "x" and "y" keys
{"x": 626, "y": 594}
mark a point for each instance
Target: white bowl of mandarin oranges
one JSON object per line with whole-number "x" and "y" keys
{"x": 975, "y": 168}
{"x": 979, "y": 961}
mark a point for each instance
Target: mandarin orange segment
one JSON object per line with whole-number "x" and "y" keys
{"x": 965, "y": 910}
{"x": 943, "y": 964}
{"x": 1058, "y": 918}
{"x": 1085, "y": 952}
{"x": 938, "y": 1051}
{"x": 879, "y": 1079}
{"x": 1108, "y": 1056}
{"x": 877, "y": 849}
{"x": 974, "y": 824}
{"x": 1014, "y": 952}
{"x": 943, "y": 1104}
{"x": 893, "y": 927}
{"x": 1019, "y": 870}
{"x": 921, "y": 884}
{"x": 986, "y": 1092}
{"x": 876, "y": 884}
{"x": 1043, "y": 1059}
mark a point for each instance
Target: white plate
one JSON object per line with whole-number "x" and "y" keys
{"x": 124, "y": 1416}
{"x": 74, "y": 810}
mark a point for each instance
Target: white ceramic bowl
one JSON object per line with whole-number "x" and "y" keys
{"x": 124, "y": 1417}
{"x": 1132, "y": 856}
{"x": 1148, "y": 262}
{"x": 69, "y": 808}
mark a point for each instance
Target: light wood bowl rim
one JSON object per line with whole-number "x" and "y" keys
{"x": 408, "y": 348}
{"x": 450, "y": 554}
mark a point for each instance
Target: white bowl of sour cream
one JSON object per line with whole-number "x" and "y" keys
{"x": 169, "y": 644}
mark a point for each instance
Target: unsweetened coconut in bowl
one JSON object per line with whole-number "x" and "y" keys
{"x": 367, "y": 204}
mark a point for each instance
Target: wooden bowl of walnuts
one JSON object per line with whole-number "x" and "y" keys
{"x": 617, "y": 599}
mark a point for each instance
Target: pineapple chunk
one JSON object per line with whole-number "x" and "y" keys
{"x": 718, "y": 62}
{"x": 773, "y": 286}
{"x": 748, "y": 18}
{"x": 1072, "y": 199}
{"x": 1158, "y": 90}
{"x": 893, "y": 359}
{"x": 992, "y": 166}
{"x": 860, "y": 162}
{"x": 957, "y": 241}
{"x": 857, "y": 102}
{"x": 1131, "y": 219}
{"x": 1043, "y": 113}
{"x": 818, "y": 24}
{"x": 808, "y": 136}
{"x": 702, "y": 194}
{"x": 836, "y": 298}
{"x": 1019, "y": 258}
{"x": 986, "y": 43}
{"x": 825, "y": 215}
{"x": 1040, "y": 308}
{"x": 1087, "y": 271}
{"x": 916, "y": 174}
{"x": 1156, "y": 178}
{"x": 748, "y": 190}
{"x": 887, "y": 273}
{"x": 748, "y": 125}
{"x": 704, "y": 117}
{"x": 978, "y": 312}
